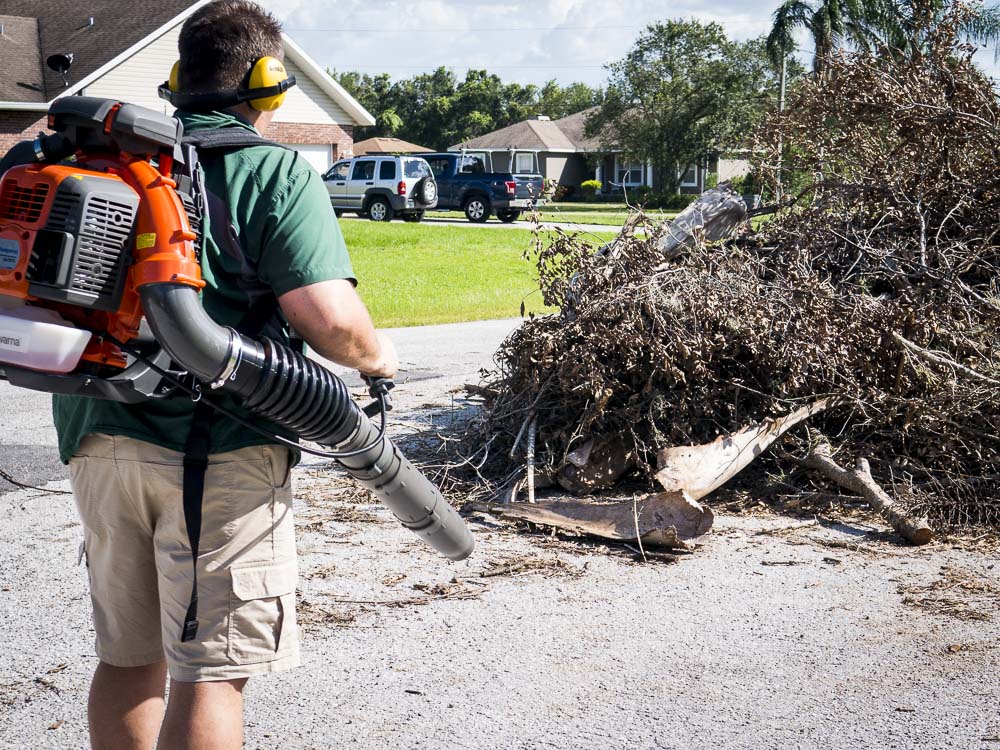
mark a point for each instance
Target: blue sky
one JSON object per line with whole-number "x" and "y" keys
{"x": 528, "y": 41}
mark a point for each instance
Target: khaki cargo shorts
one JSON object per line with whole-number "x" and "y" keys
{"x": 139, "y": 562}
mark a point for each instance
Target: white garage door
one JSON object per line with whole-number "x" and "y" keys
{"x": 318, "y": 155}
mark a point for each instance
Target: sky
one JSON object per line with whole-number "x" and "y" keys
{"x": 524, "y": 41}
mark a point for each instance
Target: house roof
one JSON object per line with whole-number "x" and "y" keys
{"x": 63, "y": 27}
{"x": 565, "y": 134}
{"x": 22, "y": 60}
{"x": 120, "y": 28}
{"x": 574, "y": 125}
{"x": 388, "y": 146}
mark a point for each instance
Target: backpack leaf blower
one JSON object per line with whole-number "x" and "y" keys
{"x": 99, "y": 297}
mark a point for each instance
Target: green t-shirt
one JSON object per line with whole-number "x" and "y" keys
{"x": 281, "y": 212}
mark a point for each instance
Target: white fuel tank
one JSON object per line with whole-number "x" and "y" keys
{"x": 38, "y": 339}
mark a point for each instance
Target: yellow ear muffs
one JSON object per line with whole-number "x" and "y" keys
{"x": 264, "y": 87}
{"x": 174, "y": 81}
{"x": 266, "y": 73}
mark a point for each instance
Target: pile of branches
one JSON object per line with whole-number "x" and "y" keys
{"x": 878, "y": 284}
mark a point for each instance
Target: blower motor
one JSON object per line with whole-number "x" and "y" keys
{"x": 99, "y": 297}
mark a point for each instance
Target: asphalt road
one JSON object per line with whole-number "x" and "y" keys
{"x": 777, "y": 633}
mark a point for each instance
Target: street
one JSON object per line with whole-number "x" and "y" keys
{"x": 777, "y": 632}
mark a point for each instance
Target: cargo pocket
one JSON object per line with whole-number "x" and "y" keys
{"x": 262, "y": 613}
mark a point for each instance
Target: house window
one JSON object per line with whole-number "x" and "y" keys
{"x": 628, "y": 173}
{"x": 690, "y": 176}
{"x": 524, "y": 163}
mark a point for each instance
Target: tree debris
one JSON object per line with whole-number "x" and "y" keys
{"x": 913, "y": 530}
{"x": 664, "y": 519}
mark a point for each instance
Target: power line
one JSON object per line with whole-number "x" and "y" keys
{"x": 454, "y": 29}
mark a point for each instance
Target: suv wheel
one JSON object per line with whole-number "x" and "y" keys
{"x": 476, "y": 209}
{"x": 426, "y": 191}
{"x": 509, "y": 215}
{"x": 379, "y": 209}
{"x": 415, "y": 216}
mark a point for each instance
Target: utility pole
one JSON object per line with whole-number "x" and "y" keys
{"x": 781, "y": 108}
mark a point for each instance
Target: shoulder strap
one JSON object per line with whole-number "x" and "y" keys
{"x": 227, "y": 138}
{"x": 196, "y": 451}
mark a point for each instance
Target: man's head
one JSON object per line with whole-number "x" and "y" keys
{"x": 220, "y": 42}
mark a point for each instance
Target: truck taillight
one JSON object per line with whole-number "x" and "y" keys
{"x": 511, "y": 187}
{"x": 401, "y": 188}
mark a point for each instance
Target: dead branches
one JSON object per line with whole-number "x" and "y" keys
{"x": 913, "y": 530}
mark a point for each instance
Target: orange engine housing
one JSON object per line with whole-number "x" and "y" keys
{"x": 81, "y": 239}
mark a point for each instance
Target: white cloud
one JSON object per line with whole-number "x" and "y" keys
{"x": 528, "y": 41}
{"x": 520, "y": 40}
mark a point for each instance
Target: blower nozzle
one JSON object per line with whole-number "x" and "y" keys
{"x": 301, "y": 395}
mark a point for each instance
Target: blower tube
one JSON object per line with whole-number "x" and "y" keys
{"x": 301, "y": 395}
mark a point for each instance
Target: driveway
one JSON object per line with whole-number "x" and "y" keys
{"x": 809, "y": 634}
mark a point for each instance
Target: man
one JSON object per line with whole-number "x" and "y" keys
{"x": 126, "y": 461}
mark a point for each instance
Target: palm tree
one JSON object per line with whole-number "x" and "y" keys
{"x": 900, "y": 26}
{"x": 831, "y": 23}
{"x": 894, "y": 27}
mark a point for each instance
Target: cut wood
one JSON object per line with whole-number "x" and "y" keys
{"x": 860, "y": 480}
{"x": 701, "y": 469}
{"x": 663, "y": 519}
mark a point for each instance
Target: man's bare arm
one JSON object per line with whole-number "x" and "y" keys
{"x": 333, "y": 320}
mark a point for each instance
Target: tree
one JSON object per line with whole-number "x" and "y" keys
{"x": 891, "y": 27}
{"x": 435, "y": 109}
{"x": 682, "y": 91}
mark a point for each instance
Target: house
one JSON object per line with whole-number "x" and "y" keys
{"x": 373, "y": 146}
{"x": 124, "y": 49}
{"x": 567, "y": 155}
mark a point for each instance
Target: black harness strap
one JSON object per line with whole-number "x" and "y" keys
{"x": 198, "y": 444}
{"x": 196, "y": 452}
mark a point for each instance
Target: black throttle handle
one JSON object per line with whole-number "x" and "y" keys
{"x": 378, "y": 387}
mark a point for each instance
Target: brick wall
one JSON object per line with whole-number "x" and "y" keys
{"x": 19, "y": 126}
{"x": 339, "y": 136}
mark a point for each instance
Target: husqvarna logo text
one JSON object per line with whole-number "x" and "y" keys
{"x": 10, "y": 341}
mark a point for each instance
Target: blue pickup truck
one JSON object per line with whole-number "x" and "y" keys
{"x": 465, "y": 184}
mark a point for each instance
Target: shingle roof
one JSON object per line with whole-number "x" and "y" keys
{"x": 573, "y": 126}
{"x": 566, "y": 134}
{"x": 63, "y": 26}
{"x": 21, "y": 60}
{"x": 388, "y": 146}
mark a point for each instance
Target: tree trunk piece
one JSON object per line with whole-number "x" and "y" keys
{"x": 860, "y": 480}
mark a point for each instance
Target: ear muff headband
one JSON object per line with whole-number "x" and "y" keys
{"x": 264, "y": 87}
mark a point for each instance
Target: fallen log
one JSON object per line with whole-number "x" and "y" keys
{"x": 663, "y": 519}
{"x": 860, "y": 480}
{"x": 701, "y": 469}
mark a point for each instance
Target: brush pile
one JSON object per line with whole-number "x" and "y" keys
{"x": 877, "y": 285}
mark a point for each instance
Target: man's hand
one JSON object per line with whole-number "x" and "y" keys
{"x": 333, "y": 320}
{"x": 390, "y": 360}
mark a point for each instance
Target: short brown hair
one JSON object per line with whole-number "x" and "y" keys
{"x": 219, "y": 43}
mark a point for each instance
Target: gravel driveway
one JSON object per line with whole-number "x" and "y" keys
{"x": 777, "y": 633}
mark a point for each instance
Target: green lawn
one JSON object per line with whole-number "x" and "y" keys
{"x": 415, "y": 274}
{"x": 609, "y": 214}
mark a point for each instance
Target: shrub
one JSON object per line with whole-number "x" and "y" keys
{"x": 641, "y": 196}
{"x": 675, "y": 201}
{"x": 712, "y": 180}
{"x": 563, "y": 192}
{"x": 589, "y": 188}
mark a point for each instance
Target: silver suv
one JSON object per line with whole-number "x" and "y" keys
{"x": 380, "y": 187}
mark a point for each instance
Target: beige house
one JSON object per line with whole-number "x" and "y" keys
{"x": 567, "y": 155}
{"x": 123, "y": 49}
